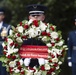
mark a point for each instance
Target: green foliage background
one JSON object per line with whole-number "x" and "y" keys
{"x": 60, "y": 13}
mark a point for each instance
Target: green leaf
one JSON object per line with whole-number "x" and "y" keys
{"x": 2, "y": 59}
{"x": 44, "y": 73}
{"x": 13, "y": 27}
{"x": 16, "y": 73}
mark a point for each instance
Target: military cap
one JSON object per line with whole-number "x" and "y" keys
{"x": 2, "y": 11}
{"x": 36, "y": 9}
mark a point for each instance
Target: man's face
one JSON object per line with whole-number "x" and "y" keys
{"x": 75, "y": 23}
{"x": 1, "y": 17}
{"x": 37, "y": 17}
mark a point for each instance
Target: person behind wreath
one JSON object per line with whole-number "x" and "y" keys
{"x": 4, "y": 28}
{"x": 36, "y": 12}
{"x": 72, "y": 49}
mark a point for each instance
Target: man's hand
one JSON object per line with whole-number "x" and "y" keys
{"x": 70, "y": 64}
{"x": 26, "y": 61}
{"x": 41, "y": 61}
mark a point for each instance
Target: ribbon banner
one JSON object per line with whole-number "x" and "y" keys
{"x": 33, "y": 51}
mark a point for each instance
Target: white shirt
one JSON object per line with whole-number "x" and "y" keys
{"x": 1, "y": 23}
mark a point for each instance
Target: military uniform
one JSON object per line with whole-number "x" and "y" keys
{"x": 4, "y": 28}
{"x": 72, "y": 51}
{"x": 34, "y": 10}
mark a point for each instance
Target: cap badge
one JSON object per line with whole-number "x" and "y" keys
{"x": 35, "y": 6}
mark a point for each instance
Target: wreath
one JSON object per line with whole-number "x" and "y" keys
{"x": 39, "y": 30}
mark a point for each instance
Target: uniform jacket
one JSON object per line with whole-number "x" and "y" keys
{"x": 72, "y": 46}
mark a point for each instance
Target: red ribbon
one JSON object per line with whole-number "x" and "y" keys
{"x": 33, "y": 51}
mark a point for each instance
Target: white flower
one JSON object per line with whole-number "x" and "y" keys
{"x": 42, "y": 26}
{"x": 3, "y": 44}
{"x": 57, "y": 51}
{"x": 48, "y": 56}
{"x": 47, "y": 67}
{"x": 59, "y": 62}
{"x": 44, "y": 38}
{"x": 17, "y": 55}
{"x": 57, "y": 67}
{"x": 26, "y": 32}
{"x": 55, "y": 60}
{"x": 20, "y": 29}
{"x": 52, "y": 40}
{"x": 32, "y": 32}
{"x": 11, "y": 50}
{"x": 65, "y": 46}
{"x": 60, "y": 43}
{"x": 12, "y": 64}
{"x": 49, "y": 51}
{"x": 38, "y": 73}
{"x": 40, "y": 37}
{"x": 19, "y": 40}
{"x": 11, "y": 32}
{"x": 51, "y": 64}
{"x": 48, "y": 30}
{"x": 53, "y": 73}
{"x": 15, "y": 50}
{"x": 16, "y": 70}
{"x": 38, "y": 30}
{"x": 28, "y": 72}
{"x": 53, "y": 52}
{"x": 30, "y": 21}
{"x": 49, "y": 44}
{"x": 54, "y": 35}
{"x": 9, "y": 41}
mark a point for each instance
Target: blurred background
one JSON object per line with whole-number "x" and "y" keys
{"x": 59, "y": 13}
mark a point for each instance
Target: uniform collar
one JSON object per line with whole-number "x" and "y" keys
{"x": 1, "y": 23}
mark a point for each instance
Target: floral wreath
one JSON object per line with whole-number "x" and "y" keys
{"x": 48, "y": 34}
